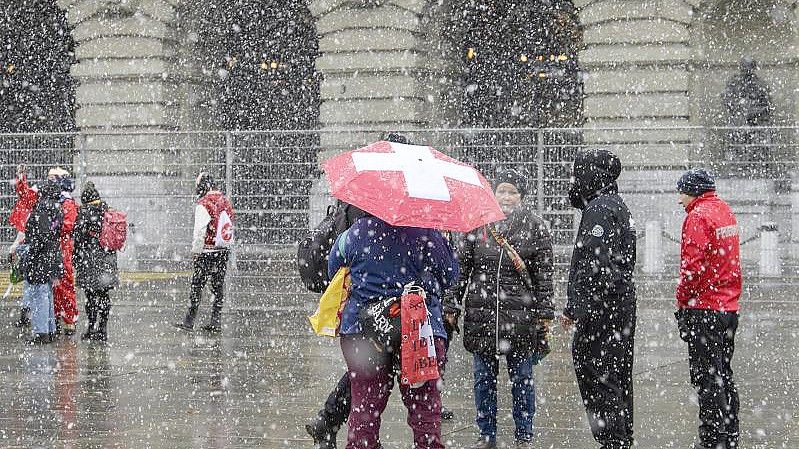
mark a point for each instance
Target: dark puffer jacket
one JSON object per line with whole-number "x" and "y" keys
{"x": 603, "y": 261}
{"x": 506, "y": 306}
{"x": 95, "y": 266}
{"x": 43, "y": 263}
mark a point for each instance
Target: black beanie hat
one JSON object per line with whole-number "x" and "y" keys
{"x": 513, "y": 177}
{"x": 204, "y": 184}
{"x": 695, "y": 182}
{"x": 89, "y": 193}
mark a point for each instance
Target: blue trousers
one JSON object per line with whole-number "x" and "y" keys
{"x": 42, "y": 312}
{"x": 520, "y": 370}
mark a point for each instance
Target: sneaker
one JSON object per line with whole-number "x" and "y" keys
{"x": 183, "y": 326}
{"x": 484, "y": 443}
{"x": 446, "y": 414}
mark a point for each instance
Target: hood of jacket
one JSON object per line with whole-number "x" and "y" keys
{"x": 594, "y": 172}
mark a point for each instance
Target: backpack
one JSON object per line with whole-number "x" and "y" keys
{"x": 313, "y": 252}
{"x": 114, "y": 231}
{"x": 224, "y": 231}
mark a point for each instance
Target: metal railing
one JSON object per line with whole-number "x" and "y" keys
{"x": 274, "y": 180}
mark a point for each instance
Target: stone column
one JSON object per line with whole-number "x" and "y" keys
{"x": 637, "y": 57}
{"x": 125, "y": 51}
{"x": 371, "y": 60}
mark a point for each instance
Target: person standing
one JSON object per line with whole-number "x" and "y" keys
{"x": 601, "y": 298}
{"x": 96, "y": 267}
{"x": 41, "y": 264}
{"x": 707, "y": 305}
{"x": 505, "y": 308}
{"x": 212, "y": 238}
{"x": 382, "y": 260}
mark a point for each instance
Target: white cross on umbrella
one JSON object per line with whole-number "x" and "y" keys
{"x": 425, "y": 175}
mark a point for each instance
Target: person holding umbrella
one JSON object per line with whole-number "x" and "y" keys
{"x": 506, "y": 283}
{"x": 409, "y": 192}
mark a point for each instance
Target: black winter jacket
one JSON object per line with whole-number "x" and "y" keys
{"x": 43, "y": 262}
{"x": 501, "y": 313}
{"x": 95, "y": 267}
{"x": 601, "y": 275}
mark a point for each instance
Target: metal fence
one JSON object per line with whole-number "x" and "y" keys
{"x": 274, "y": 180}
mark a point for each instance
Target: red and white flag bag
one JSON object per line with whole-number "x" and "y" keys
{"x": 224, "y": 231}
{"x": 418, "y": 360}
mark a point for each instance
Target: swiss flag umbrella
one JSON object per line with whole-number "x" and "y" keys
{"x": 412, "y": 185}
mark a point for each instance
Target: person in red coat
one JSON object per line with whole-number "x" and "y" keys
{"x": 707, "y": 305}
{"x": 64, "y": 298}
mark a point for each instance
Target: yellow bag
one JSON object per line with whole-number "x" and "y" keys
{"x": 325, "y": 320}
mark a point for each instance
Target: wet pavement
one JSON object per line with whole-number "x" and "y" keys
{"x": 256, "y": 385}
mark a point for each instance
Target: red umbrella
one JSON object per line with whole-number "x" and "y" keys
{"x": 413, "y": 185}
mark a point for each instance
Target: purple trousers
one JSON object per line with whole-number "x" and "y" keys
{"x": 372, "y": 376}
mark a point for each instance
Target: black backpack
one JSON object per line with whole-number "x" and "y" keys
{"x": 313, "y": 252}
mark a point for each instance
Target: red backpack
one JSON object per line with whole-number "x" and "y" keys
{"x": 114, "y": 231}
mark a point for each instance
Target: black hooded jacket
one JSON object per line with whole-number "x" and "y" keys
{"x": 43, "y": 262}
{"x": 495, "y": 296}
{"x": 604, "y": 252}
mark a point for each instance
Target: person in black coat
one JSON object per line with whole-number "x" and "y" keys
{"x": 96, "y": 266}
{"x": 41, "y": 264}
{"x": 601, "y": 298}
{"x": 507, "y": 312}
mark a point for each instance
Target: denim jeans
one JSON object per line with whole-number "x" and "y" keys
{"x": 520, "y": 370}
{"x": 42, "y": 313}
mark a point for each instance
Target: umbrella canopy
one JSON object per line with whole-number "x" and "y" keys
{"x": 413, "y": 185}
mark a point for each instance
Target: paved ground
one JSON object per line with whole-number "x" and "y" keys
{"x": 154, "y": 387}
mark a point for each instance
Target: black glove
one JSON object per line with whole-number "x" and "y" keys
{"x": 682, "y": 324}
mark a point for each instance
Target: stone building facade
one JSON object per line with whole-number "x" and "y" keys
{"x": 649, "y": 64}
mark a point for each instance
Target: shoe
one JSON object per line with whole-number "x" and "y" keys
{"x": 183, "y": 326}
{"x": 484, "y": 443}
{"x": 524, "y": 444}
{"x": 69, "y": 329}
{"x": 212, "y": 329}
{"x": 24, "y": 318}
{"x": 40, "y": 339}
{"x": 87, "y": 335}
{"x": 446, "y": 413}
{"x": 323, "y": 437}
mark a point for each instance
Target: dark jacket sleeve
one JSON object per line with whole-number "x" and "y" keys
{"x": 465, "y": 255}
{"x": 444, "y": 261}
{"x": 541, "y": 268}
{"x": 590, "y": 276}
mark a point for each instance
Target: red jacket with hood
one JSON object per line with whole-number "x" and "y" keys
{"x": 710, "y": 261}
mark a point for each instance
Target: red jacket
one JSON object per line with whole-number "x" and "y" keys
{"x": 710, "y": 260}
{"x": 214, "y": 202}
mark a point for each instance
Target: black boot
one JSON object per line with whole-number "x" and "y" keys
{"x": 188, "y": 322}
{"x": 214, "y": 326}
{"x": 101, "y": 333}
{"x": 40, "y": 339}
{"x": 24, "y": 317}
{"x": 90, "y": 329}
{"x": 323, "y": 436}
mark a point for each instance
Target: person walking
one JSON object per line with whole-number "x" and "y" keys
{"x": 601, "y": 298}
{"x": 96, "y": 267}
{"x": 707, "y": 305}
{"x": 506, "y": 284}
{"x": 383, "y": 259}
{"x": 212, "y": 238}
{"x": 41, "y": 263}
